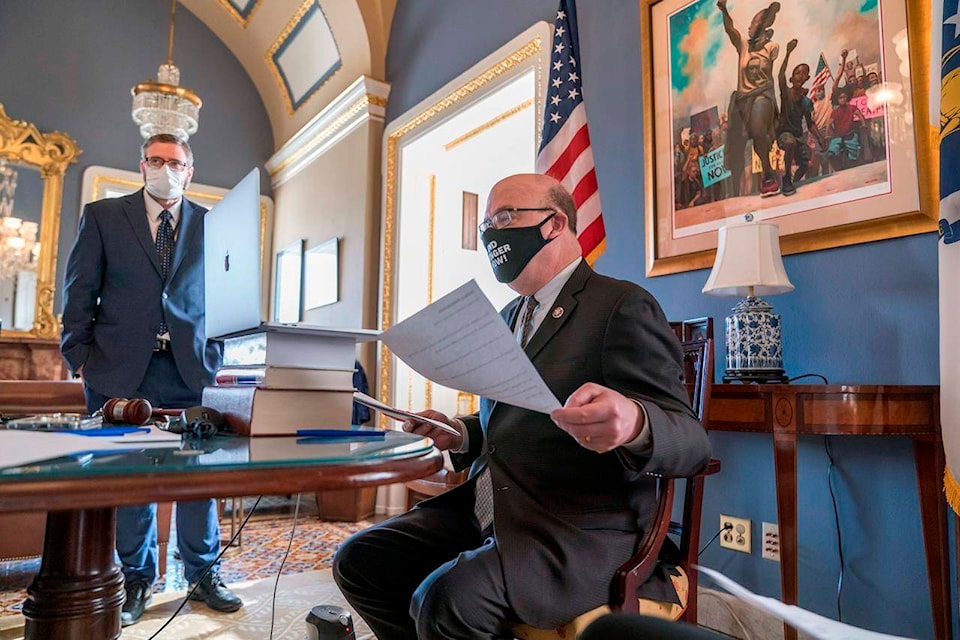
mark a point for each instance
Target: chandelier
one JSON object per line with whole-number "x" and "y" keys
{"x": 163, "y": 106}
{"x": 18, "y": 238}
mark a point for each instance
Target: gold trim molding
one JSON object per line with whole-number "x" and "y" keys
{"x": 294, "y": 22}
{"x": 232, "y": 10}
{"x": 51, "y": 153}
{"x": 394, "y": 141}
{"x": 489, "y": 124}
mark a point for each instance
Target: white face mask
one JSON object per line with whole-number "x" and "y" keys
{"x": 165, "y": 184}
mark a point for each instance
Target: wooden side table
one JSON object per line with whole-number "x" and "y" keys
{"x": 788, "y": 410}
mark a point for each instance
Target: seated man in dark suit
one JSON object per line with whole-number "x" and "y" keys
{"x": 133, "y": 326}
{"x": 554, "y": 504}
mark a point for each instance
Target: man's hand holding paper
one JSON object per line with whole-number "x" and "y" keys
{"x": 442, "y": 439}
{"x": 600, "y": 419}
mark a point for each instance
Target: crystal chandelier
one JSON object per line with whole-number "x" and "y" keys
{"x": 18, "y": 238}
{"x": 164, "y": 106}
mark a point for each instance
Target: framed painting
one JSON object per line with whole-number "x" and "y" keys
{"x": 811, "y": 115}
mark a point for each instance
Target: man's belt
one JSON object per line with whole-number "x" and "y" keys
{"x": 162, "y": 345}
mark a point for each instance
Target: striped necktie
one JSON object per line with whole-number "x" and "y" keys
{"x": 526, "y": 326}
{"x": 165, "y": 253}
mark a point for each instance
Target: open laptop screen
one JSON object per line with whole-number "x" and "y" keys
{"x": 231, "y": 260}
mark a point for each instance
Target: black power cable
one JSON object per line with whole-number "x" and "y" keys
{"x": 207, "y": 570}
{"x": 293, "y": 530}
{"x": 727, "y": 527}
{"x": 836, "y": 520}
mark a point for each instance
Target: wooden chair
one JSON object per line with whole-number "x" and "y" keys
{"x": 698, "y": 369}
{"x": 21, "y": 534}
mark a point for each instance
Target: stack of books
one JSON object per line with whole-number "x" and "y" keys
{"x": 273, "y": 384}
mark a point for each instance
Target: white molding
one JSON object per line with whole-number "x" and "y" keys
{"x": 362, "y": 101}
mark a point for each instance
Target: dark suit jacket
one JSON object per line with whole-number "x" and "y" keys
{"x": 566, "y": 517}
{"x": 114, "y": 298}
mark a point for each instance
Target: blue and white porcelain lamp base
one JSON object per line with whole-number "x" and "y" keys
{"x": 754, "y": 347}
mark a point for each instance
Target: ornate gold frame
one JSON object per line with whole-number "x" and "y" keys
{"x": 894, "y": 226}
{"x": 394, "y": 143}
{"x": 21, "y": 142}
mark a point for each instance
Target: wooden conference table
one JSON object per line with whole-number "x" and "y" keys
{"x": 790, "y": 410}
{"x": 78, "y": 592}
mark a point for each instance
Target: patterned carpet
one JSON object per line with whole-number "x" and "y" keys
{"x": 263, "y": 544}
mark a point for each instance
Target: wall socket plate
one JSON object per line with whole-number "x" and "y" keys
{"x": 737, "y": 538}
{"x": 771, "y": 541}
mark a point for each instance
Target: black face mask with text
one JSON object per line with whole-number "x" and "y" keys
{"x": 511, "y": 249}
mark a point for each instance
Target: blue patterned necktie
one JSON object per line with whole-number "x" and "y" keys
{"x": 165, "y": 253}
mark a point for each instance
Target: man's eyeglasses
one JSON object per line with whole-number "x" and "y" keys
{"x": 504, "y": 217}
{"x": 156, "y": 162}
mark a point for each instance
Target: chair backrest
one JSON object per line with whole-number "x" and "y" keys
{"x": 698, "y": 373}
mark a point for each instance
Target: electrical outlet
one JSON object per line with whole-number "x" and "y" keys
{"x": 737, "y": 535}
{"x": 771, "y": 541}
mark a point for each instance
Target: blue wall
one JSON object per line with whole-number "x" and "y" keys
{"x": 861, "y": 314}
{"x": 69, "y": 66}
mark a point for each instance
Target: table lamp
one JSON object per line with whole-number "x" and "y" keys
{"x": 749, "y": 264}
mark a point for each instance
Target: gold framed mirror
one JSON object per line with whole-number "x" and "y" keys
{"x": 28, "y": 254}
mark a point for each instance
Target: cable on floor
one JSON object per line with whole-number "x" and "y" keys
{"x": 207, "y": 569}
{"x": 733, "y": 614}
{"x": 293, "y": 530}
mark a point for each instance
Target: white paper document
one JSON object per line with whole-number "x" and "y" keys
{"x": 461, "y": 342}
{"x": 399, "y": 414}
{"x": 801, "y": 619}
{"x": 19, "y": 447}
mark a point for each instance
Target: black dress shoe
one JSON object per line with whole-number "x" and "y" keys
{"x": 215, "y": 594}
{"x": 138, "y": 597}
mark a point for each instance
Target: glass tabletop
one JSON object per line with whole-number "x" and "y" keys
{"x": 226, "y": 452}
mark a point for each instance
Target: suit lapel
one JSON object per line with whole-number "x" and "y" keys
{"x": 136, "y": 211}
{"x": 190, "y": 220}
{"x": 562, "y": 309}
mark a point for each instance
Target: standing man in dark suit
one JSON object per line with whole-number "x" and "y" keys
{"x": 569, "y": 491}
{"x": 133, "y": 326}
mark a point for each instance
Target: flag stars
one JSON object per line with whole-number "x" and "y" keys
{"x": 554, "y": 117}
{"x": 573, "y": 94}
{"x": 561, "y": 15}
{"x": 558, "y": 48}
{"x": 557, "y": 65}
{"x": 560, "y": 31}
{"x": 573, "y": 62}
{"x": 555, "y": 100}
{"x": 574, "y": 77}
{"x": 953, "y": 21}
{"x": 557, "y": 82}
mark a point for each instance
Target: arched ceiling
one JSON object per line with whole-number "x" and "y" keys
{"x": 300, "y": 54}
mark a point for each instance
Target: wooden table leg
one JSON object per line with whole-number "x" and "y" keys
{"x": 785, "y": 463}
{"x": 929, "y": 460}
{"x": 79, "y": 590}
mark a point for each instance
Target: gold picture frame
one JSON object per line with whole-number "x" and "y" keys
{"x": 50, "y": 153}
{"x": 831, "y": 220}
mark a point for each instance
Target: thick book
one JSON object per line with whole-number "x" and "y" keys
{"x": 252, "y": 411}
{"x": 270, "y": 377}
{"x": 300, "y": 350}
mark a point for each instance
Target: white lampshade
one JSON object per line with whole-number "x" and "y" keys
{"x": 748, "y": 255}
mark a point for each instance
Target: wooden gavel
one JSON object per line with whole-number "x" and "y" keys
{"x": 133, "y": 411}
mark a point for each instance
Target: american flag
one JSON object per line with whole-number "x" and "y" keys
{"x": 823, "y": 72}
{"x": 945, "y": 116}
{"x": 565, "y": 150}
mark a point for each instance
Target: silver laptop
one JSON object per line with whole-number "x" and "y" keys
{"x": 231, "y": 266}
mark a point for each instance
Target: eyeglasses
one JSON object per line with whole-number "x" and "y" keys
{"x": 504, "y": 217}
{"x": 156, "y": 162}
